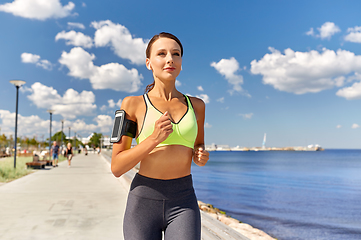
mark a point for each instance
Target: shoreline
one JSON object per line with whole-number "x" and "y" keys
{"x": 243, "y": 228}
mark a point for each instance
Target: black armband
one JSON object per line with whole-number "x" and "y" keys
{"x": 122, "y": 126}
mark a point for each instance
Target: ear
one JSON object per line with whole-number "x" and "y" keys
{"x": 147, "y": 63}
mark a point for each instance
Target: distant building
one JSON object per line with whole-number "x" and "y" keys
{"x": 215, "y": 147}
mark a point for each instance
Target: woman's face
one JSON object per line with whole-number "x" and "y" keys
{"x": 165, "y": 59}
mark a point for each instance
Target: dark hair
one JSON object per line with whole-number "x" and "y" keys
{"x": 150, "y": 44}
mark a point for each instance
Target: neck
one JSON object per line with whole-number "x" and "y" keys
{"x": 165, "y": 90}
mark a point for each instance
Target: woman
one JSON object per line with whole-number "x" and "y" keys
{"x": 170, "y": 134}
{"x": 69, "y": 153}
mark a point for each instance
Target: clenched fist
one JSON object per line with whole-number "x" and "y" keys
{"x": 200, "y": 156}
{"x": 162, "y": 128}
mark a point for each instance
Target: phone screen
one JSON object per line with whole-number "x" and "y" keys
{"x": 116, "y": 127}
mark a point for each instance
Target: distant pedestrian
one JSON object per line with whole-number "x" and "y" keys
{"x": 85, "y": 151}
{"x": 55, "y": 153}
{"x": 69, "y": 153}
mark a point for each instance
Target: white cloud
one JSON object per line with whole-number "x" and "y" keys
{"x": 178, "y": 83}
{"x": 354, "y": 35}
{"x": 105, "y": 123}
{"x": 303, "y": 72}
{"x": 200, "y": 88}
{"x": 38, "y": 9}
{"x": 29, "y": 125}
{"x": 310, "y": 32}
{"x": 75, "y": 39}
{"x": 228, "y": 68}
{"x": 204, "y": 97}
{"x": 338, "y": 126}
{"x": 112, "y": 104}
{"x": 246, "y": 115}
{"x": 43, "y": 96}
{"x": 120, "y": 40}
{"x": 35, "y": 126}
{"x": 355, "y": 125}
{"x": 80, "y": 125}
{"x": 109, "y": 76}
{"x": 221, "y": 100}
{"x": 36, "y": 59}
{"x": 103, "y": 108}
{"x": 45, "y": 64}
{"x": 327, "y": 30}
{"x": 76, "y": 25}
{"x": 350, "y": 93}
{"x": 25, "y": 89}
{"x": 29, "y": 58}
{"x": 207, "y": 125}
{"x": 70, "y": 105}
{"x": 355, "y": 77}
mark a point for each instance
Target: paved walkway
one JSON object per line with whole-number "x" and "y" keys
{"x": 81, "y": 202}
{"x": 84, "y": 201}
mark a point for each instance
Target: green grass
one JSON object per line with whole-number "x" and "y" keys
{"x": 7, "y": 171}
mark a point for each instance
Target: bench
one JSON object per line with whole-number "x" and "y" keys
{"x": 4, "y": 155}
{"x": 36, "y": 163}
{"x": 48, "y": 162}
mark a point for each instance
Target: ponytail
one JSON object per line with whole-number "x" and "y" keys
{"x": 149, "y": 87}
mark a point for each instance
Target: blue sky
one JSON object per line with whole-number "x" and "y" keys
{"x": 291, "y": 69}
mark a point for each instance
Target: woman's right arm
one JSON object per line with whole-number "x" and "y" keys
{"x": 124, "y": 157}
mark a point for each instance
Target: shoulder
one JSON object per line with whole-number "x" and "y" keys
{"x": 131, "y": 105}
{"x": 197, "y": 103}
{"x": 131, "y": 100}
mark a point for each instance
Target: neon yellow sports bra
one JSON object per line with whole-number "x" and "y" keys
{"x": 184, "y": 132}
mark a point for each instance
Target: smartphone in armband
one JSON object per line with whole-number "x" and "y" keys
{"x": 122, "y": 126}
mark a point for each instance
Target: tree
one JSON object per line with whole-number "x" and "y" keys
{"x": 34, "y": 142}
{"x": 95, "y": 139}
{"x": 3, "y": 141}
{"x": 57, "y": 137}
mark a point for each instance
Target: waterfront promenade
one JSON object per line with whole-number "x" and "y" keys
{"x": 84, "y": 201}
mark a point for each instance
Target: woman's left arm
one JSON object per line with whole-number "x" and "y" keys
{"x": 200, "y": 156}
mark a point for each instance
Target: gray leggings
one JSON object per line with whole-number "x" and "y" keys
{"x": 156, "y": 205}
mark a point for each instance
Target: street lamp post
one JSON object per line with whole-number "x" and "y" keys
{"x": 62, "y": 126}
{"x": 69, "y": 136}
{"x": 51, "y": 113}
{"x": 74, "y": 140}
{"x": 17, "y": 84}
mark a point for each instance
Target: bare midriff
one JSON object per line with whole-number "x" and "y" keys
{"x": 167, "y": 162}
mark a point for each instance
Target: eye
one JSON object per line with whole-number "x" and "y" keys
{"x": 161, "y": 54}
{"x": 176, "y": 54}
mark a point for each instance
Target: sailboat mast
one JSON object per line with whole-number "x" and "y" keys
{"x": 264, "y": 141}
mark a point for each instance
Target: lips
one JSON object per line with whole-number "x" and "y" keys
{"x": 169, "y": 69}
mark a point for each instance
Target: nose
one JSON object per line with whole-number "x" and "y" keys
{"x": 169, "y": 58}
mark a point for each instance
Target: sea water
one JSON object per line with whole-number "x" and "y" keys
{"x": 289, "y": 195}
